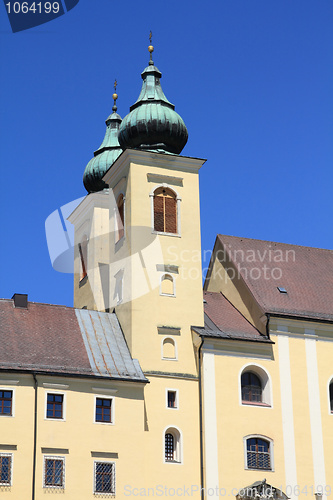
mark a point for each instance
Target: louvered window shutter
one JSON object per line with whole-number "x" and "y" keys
{"x": 120, "y": 217}
{"x": 165, "y": 211}
{"x": 170, "y": 215}
{"x": 158, "y": 213}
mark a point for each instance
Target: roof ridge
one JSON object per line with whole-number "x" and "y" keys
{"x": 274, "y": 242}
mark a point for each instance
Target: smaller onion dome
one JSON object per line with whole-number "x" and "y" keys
{"x": 106, "y": 154}
{"x": 152, "y": 123}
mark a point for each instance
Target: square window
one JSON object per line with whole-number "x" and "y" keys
{"x": 103, "y": 410}
{"x": 105, "y": 477}
{"x": 5, "y": 469}
{"x": 6, "y": 402}
{"x": 54, "y": 472}
{"x": 55, "y": 406}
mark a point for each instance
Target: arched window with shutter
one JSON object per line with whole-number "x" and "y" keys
{"x": 83, "y": 253}
{"x": 120, "y": 218}
{"x": 165, "y": 211}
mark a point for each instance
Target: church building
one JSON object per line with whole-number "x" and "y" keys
{"x": 153, "y": 385}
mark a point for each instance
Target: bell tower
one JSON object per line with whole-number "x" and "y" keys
{"x": 154, "y": 268}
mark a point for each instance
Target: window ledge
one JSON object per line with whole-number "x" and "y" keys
{"x": 161, "y": 233}
{"x": 260, "y": 468}
{"x": 253, "y": 403}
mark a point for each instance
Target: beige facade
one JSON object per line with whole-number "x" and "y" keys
{"x": 150, "y": 386}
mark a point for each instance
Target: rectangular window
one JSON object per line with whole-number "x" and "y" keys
{"x": 172, "y": 399}
{"x": 5, "y": 469}
{"x": 105, "y": 477}
{"x": 54, "y": 472}
{"x": 103, "y": 410}
{"x": 54, "y": 407}
{"x": 6, "y": 402}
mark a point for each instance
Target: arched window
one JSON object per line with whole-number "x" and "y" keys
{"x": 331, "y": 396}
{"x": 255, "y": 386}
{"x": 165, "y": 211}
{"x": 251, "y": 387}
{"x": 168, "y": 348}
{"x": 120, "y": 218}
{"x": 167, "y": 285}
{"x": 172, "y": 445}
{"x": 83, "y": 253}
{"x": 169, "y": 447}
{"x": 258, "y": 453}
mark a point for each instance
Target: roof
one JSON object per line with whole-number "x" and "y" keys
{"x": 306, "y": 274}
{"x": 56, "y": 339}
{"x": 223, "y": 320}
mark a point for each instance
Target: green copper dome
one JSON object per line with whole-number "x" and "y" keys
{"x": 105, "y": 155}
{"x": 152, "y": 123}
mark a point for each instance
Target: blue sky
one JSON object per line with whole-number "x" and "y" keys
{"x": 252, "y": 80}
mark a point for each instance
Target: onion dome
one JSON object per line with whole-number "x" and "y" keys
{"x": 152, "y": 123}
{"x": 106, "y": 154}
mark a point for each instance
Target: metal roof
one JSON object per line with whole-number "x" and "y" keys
{"x": 106, "y": 347}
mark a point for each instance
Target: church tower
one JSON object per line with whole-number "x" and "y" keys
{"x": 143, "y": 254}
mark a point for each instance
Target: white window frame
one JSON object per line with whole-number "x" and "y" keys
{"x": 54, "y": 457}
{"x": 266, "y": 384}
{"x": 104, "y": 396}
{"x": 175, "y": 345}
{"x": 11, "y": 455}
{"x": 167, "y": 390}
{"x": 178, "y": 439}
{"x": 104, "y": 493}
{"x": 271, "y": 451}
{"x": 64, "y": 401}
{"x": 173, "y": 294}
{"x": 178, "y": 200}
{"x": 12, "y": 390}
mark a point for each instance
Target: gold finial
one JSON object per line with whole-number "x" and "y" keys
{"x": 115, "y": 95}
{"x": 150, "y": 48}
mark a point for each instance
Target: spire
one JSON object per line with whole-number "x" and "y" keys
{"x": 151, "y": 50}
{"x": 152, "y": 123}
{"x": 106, "y": 154}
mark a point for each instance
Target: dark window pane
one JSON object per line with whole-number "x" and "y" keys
{"x": 251, "y": 387}
{"x": 258, "y": 454}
